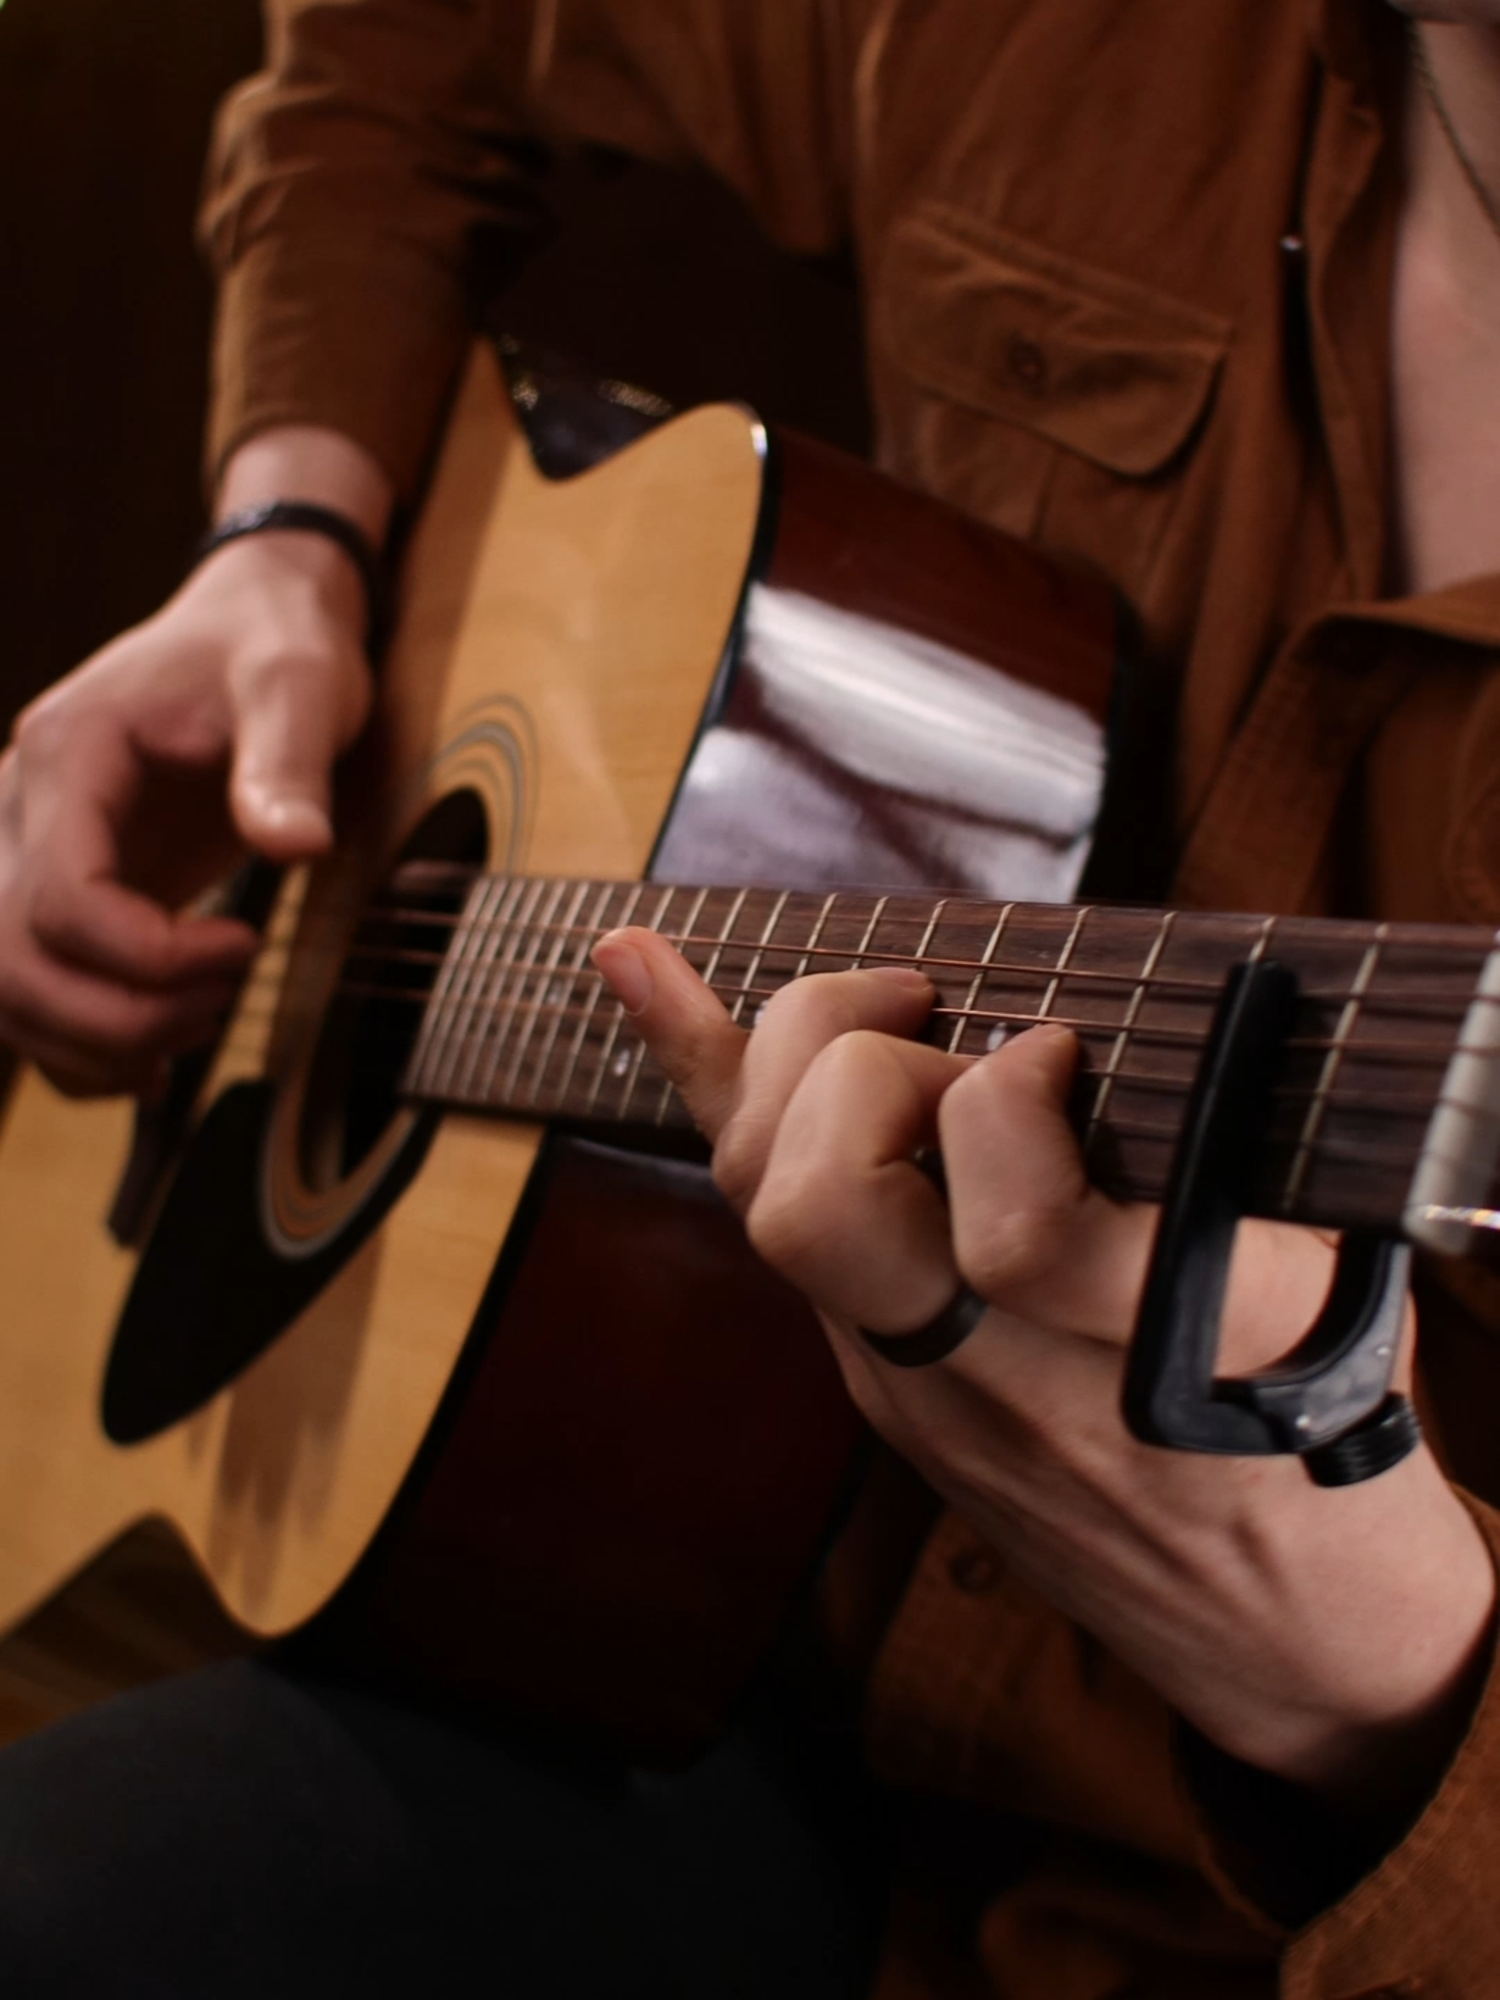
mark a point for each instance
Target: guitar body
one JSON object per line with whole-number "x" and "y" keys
{"x": 519, "y": 1416}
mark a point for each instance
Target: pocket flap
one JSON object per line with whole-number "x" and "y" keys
{"x": 1107, "y": 368}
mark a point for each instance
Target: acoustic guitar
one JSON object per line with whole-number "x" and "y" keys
{"x": 425, "y": 1329}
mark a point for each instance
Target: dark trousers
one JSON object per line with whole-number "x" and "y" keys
{"x": 242, "y": 1832}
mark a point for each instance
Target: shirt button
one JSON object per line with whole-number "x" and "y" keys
{"x": 975, "y": 1571}
{"x": 1027, "y": 364}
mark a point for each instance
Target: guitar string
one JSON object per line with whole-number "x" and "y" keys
{"x": 522, "y": 970}
{"x": 267, "y": 975}
{"x": 1399, "y": 1052}
{"x": 1479, "y": 944}
{"x": 973, "y": 915}
{"x": 266, "y": 979}
{"x": 1376, "y": 1000}
{"x": 454, "y": 875}
{"x": 1417, "y": 1106}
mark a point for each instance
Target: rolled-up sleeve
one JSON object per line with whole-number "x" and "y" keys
{"x": 348, "y": 186}
{"x": 391, "y": 152}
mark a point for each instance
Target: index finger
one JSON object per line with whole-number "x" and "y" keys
{"x": 738, "y": 1086}
{"x": 685, "y": 1027}
{"x": 71, "y": 809}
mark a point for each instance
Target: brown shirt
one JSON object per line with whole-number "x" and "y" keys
{"x": 1126, "y": 271}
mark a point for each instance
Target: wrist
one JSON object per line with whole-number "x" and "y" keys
{"x": 1393, "y": 1657}
{"x": 319, "y": 504}
{"x": 311, "y": 463}
{"x": 293, "y": 520}
{"x": 304, "y": 583}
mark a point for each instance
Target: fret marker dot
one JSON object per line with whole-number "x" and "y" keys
{"x": 995, "y": 1039}
{"x": 621, "y": 1063}
{"x": 755, "y": 1020}
{"x": 557, "y": 993}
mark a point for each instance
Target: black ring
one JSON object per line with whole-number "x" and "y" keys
{"x": 937, "y": 1339}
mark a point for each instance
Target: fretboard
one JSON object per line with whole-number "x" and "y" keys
{"x": 517, "y": 1020}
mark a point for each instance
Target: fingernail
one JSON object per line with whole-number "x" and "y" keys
{"x": 296, "y": 816}
{"x": 1044, "y": 1034}
{"x": 904, "y": 975}
{"x": 289, "y": 818}
{"x": 625, "y": 972}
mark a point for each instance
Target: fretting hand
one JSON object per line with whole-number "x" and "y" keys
{"x": 1326, "y": 1636}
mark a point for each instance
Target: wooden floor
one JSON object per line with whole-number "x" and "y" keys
{"x": 138, "y": 1614}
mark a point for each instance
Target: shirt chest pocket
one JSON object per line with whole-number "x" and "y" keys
{"x": 1058, "y": 400}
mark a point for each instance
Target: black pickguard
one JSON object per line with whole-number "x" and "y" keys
{"x": 210, "y": 1293}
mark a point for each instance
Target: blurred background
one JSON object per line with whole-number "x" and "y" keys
{"x": 654, "y": 278}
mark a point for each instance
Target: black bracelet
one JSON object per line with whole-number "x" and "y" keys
{"x": 306, "y": 517}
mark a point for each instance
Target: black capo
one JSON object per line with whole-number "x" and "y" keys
{"x": 1330, "y": 1400}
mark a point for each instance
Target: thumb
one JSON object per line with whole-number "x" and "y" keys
{"x": 291, "y": 723}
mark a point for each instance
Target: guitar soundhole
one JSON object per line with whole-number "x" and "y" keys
{"x": 371, "y": 1028}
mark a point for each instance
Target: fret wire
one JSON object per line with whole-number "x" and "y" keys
{"x": 585, "y": 1025}
{"x": 870, "y": 929}
{"x": 767, "y": 931}
{"x": 719, "y": 945}
{"x": 486, "y": 990}
{"x": 926, "y": 938}
{"x": 976, "y": 984}
{"x": 419, "y": 1064}
{"x": 487, "y": 980}
{"x": 613, "y": 1034}
{"x": 1302, "y": 1159}
{"x": 473, "y": 1019}
{"x": 444, "y": 1014}
{"x": 1117, "y": 1053}
{"x": 1043, "y": 1012}
{"x": 642, "y": 1053}
{"x": 587, "y": 934}
{"x": 815, "y": 934}
{"x": 666, "y": 1092}
{"x": 545, "y": 972}
{"x": 485, "y": 994}
{"x": 1263, "y": 943}
{"x": 919, "y": 956}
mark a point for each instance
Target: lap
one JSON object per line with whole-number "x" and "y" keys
{"x": 243, "y": 1832}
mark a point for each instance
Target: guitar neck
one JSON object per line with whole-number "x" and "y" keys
{"x": 517, "y": 1020}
